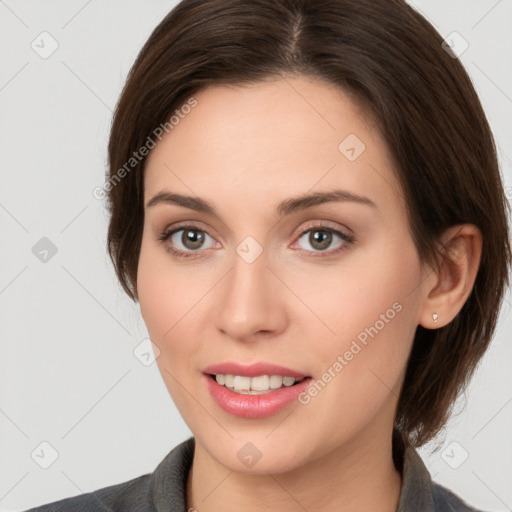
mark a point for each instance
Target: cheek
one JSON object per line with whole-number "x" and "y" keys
{"x": 164, "y": 303}
{"x": 347, "y": 298}
{"x": 365, "y": 312}
{"x": 154, "y": 297}
{"x": 171, "y": 306}
{"x": 163, "y": 298}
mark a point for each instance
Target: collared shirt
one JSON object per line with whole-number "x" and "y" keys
{"x": 164, "y": 490}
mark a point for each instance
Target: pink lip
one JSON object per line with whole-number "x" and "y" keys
{"x": 254, "y": 406}
{"x": 252, "y": 370}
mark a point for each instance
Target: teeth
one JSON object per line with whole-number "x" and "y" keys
{"x": 255, "y": 385}
{"x": 261, "y": 383}
{"x": 288, "y": 381}
{"x": 275, "y": 381}
{"x": 242, "y": 383}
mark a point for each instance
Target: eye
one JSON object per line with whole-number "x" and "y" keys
{"x": 321, "y": 237}
{"x": 185, "y": 241}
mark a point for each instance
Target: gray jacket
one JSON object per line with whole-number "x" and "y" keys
{"x": 164, "y": 490}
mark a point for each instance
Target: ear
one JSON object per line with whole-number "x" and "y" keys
{"x": 447, "y": 289}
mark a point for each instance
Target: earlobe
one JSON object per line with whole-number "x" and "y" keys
{"x": 459, "y": 259}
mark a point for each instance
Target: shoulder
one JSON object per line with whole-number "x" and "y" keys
{"x": 419, "y": 492}
{"x": 163, "y": 490}
{"x": 131, "y": 495}
{"x": 447, "y": 501}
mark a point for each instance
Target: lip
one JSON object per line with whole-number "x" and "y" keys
{"x": 254, "y": 406}
{"x": 252, "y": 370}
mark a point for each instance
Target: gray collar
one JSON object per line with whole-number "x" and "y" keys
{"x": 418, "y": 494}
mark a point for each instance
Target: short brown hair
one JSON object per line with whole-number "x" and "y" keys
{"x": 392, "y": 59}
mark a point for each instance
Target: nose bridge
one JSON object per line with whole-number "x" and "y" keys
{"x": 250, "y": 300}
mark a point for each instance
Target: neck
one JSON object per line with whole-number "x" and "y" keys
{"x": 356, "y": 477}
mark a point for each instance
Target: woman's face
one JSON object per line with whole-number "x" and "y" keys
{"x": 260, "y": 283}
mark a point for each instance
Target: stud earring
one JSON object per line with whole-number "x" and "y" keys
{"x": 435, "y": 317}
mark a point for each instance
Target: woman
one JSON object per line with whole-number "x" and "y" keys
{"x": 306, "y": 202}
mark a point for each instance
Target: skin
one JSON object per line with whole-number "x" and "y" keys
{"x": 245, "y": 149}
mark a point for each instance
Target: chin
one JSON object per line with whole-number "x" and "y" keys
{"x": 258, "y": 453}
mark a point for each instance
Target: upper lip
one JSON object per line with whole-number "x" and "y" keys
{"x": 252, "y": 370}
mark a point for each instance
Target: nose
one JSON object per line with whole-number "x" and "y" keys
{"x": 251, "y": 302}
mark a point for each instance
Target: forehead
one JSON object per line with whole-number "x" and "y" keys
{"x": 273, "y": 139}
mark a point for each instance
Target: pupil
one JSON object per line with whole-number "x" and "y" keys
{"x": 193, "y": 239}
{"x": 323, "y": 239}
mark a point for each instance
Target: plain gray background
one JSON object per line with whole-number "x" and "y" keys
{"x": 68, "y": 373}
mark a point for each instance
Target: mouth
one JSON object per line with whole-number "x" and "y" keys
{"x": 256, "y": 385}
{"x": 256, "y": 391}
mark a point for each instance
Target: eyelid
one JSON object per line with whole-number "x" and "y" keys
{"x": 336, "y": 226}
{"x": 346, "y": 235}
{"x": 319, "y": 224}
{"x": 191, "y": 224}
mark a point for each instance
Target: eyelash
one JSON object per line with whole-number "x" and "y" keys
{"x": 348, "y": 239}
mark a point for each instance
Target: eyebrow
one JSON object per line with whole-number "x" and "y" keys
{"x": 286, "y": 207}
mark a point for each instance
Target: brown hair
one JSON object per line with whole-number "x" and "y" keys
{"x": 392, "y": 59}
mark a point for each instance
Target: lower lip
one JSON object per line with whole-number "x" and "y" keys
{"x": 254, "y": 406}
